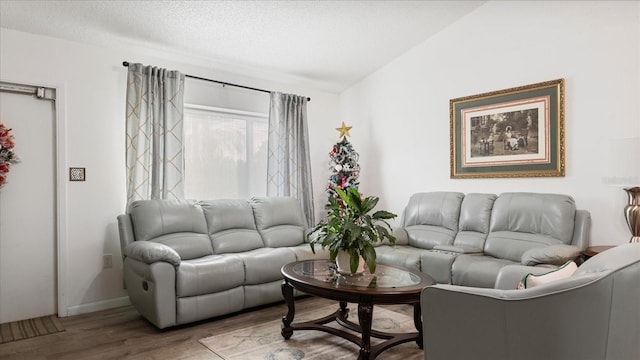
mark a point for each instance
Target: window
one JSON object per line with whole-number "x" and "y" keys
{"x": 225, "y": 153}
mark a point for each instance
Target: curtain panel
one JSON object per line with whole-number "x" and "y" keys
{"x": 289, "y": 165}
{"x": 154, "y": 121}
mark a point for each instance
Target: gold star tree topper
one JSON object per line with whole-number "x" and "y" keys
{"x": 344, "y": 130}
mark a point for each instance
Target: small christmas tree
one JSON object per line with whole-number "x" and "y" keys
{"x": 343, "y": 165}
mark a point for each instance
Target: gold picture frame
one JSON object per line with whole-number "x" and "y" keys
{"x": 517, "y": 132}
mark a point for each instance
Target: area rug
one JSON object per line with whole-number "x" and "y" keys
{"x": 24, "y": 329}
{"x": 263, "y": 341}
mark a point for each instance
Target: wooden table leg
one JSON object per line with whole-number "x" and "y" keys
{"x": 365, "y": 316}
{"x": 417, "y": 321}
{"x": 287, "y": 293}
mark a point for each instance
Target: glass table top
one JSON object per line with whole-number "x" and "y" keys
{"x": 384, "y": 276}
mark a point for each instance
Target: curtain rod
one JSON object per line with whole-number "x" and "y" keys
{"x": 126, "y": 64}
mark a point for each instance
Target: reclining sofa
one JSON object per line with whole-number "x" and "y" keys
{"x": 466, "y": 239}
{"x": 186, "y": 261}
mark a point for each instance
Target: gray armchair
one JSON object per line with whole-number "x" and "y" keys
{"x": 592, "y": 315}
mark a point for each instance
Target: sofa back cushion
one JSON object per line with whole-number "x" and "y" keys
{"x": 179, "y": 224}
{"x": 475, "y": 216}
{"x": 231, "y": 226}
{"x": 432, "y": 218}
{"x": 188, "y": 245}
{"x": 279, "y": 220}
{"x": 522, "y": 221}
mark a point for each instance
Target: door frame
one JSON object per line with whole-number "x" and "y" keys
{"x": 60, "y": 132}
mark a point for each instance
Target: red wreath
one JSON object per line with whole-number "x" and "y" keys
{"x": 7, "y": 156}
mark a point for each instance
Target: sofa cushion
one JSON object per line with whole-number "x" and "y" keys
{"x": 209, "y": 274}
{"x": 263, "y": 265}
{"x": 548, "y": 214}
{"x": 522, "y": 221}
{"x": 437, "y": 264}
{"x": 399, "y": 255}
{"x": 231, "y": 226}
{"x": 279, "y": 220}
{"x": 475, "y": 216}
{"x": 432, "y": 218}
{"x": 477, "y": 270}
{"x": 428, "y": 236}
{"x": 153, "y": 218}
{"x": 187, "y": 244}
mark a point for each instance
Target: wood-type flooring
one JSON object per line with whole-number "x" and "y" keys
{"x": 122, "y": 333}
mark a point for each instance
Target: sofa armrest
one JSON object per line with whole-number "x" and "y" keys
{"x": 125, "y": 232}
{"x": 582, "y": 229}
{"x": 150, "y": 252}
{"x": 305, "y": 236}
{"x": 402, "y": 237}
{"x": 552, "y": 254}
{"x": 152, "y": 290}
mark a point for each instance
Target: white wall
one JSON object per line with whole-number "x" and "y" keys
{"x": 400, "y": 114}
{"x": 94, "y": 81}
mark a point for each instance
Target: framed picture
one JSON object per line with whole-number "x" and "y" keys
{"x": 516, "y": 132}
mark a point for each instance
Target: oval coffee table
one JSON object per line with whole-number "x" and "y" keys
{"x": 388, "y": 285}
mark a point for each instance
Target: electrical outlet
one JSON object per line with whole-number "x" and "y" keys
{"x": 107, "y": 261}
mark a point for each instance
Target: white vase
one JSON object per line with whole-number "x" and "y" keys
{"x": 344, "y": 267}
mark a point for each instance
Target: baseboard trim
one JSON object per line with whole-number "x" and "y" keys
{"x": 98, "y": 306}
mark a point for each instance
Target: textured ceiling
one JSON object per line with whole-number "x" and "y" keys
{"x": 327, "y": 44}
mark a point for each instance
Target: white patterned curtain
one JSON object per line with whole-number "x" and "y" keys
{"x": 289, "y": 165}
{"x": 154, "y": 116}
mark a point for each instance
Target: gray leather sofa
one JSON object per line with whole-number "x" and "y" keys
{"x": 594, "y": 315}
{"x": 191, "y": 260}
{"x": 465, "y": 239}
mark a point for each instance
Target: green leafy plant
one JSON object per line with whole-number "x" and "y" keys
{"x": 349, "y": 227}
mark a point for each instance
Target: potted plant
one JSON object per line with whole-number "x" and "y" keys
{"x": 350, "y": 229}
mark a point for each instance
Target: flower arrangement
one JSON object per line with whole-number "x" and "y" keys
{"x": 7, "y": 156}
